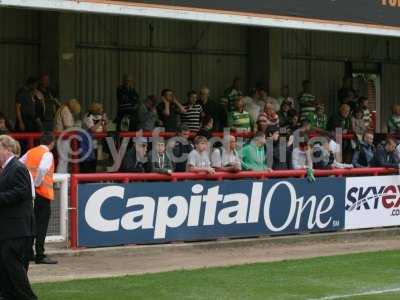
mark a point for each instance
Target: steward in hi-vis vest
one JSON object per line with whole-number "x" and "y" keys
{"x": 40, "y": 163}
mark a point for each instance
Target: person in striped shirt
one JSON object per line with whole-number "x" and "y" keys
{"x": 306, "y": 101}
{"x": 239, "y": 119}
{"x": 192, "y": 116}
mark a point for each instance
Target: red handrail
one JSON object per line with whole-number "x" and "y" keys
{"x": 127, "y": 177}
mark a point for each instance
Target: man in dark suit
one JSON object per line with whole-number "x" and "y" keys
{"x": 16, "y": 224}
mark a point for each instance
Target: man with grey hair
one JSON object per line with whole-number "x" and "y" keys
{"x": 16, "y": 224}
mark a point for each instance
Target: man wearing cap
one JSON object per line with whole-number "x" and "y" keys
{"x": 40, "y": 163}
{"x": 135, "y": 159}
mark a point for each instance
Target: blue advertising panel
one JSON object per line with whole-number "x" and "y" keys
{"x": 142, "y": 213}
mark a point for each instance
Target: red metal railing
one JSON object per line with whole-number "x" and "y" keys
{"x": 174, "y": 177}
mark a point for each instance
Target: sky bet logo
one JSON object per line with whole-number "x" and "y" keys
{"x": 374, "y": 197}
{"x": 189, "y": 208}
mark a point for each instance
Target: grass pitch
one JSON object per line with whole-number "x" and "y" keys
{"x": 324, "y": 278}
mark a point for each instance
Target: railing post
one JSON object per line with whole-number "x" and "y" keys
{"x": 74, "y": 156}
{"x": 73, "y": 213}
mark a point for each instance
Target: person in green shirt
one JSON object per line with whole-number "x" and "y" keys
{"x": 232, "y": 93}
{"x": 239, "y": 119}
{"x": 253, "y": 154}
{"x": 319, "y": 120}
{"x": 306, "y": 101}
{"x": 394, "y": 120}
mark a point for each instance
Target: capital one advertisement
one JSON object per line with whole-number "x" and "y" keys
{"x": 372, "y": 202}
{"x": 142, "y": 213}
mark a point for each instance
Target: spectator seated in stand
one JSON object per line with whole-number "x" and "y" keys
{"x": 28, "y": 107}
{"x": 272, "y": 116}
{"x": 159, "y": 159}
{"x": 147, "y": 114}
{"x": 127, "y": 104}
{"x": 319, "y": 120}
{"x": 293, "y": 122}
{"x": 213, "y": 108}
{"x": 253, "y": 154}
{"x": 262, "y": 123}
{"x": 183, "y": 146}
{"x": 284, "y": 113}
{"x": 364, "y": 155}
{"x": 135, "y": 160}
{"x": 5, "y": 125}
{"x": 206, "y": 127}
{"x": 285, "y": 97}
{"x": 363, "y": 105}
{"x": 170, "y": 110}
{"x": 342, "y": 120}
{"x": 322, "y": 156}
{"x": 199, "y": 159}
{"x": 226, "y": 158}
{"x": 65, "y": 120}
{"x": 277, "y": 152}
{"x": 306, "y": 101}
{"x": 335, "y": 149}
{"x": 394, "y": 120}
{"x": 385, "y": 155}
{"x": 351, "y": 100}
{"x": 301, "y": 157}
{"x": 358, "y": 124}
{"x": 49, "y": 101}
{"x": 239, "y": 119}
{"x": 252, "y": 107}
{"x": 346, "y": 88}
{"x": 232, "y": 93}
{"x": 95, "y": 121}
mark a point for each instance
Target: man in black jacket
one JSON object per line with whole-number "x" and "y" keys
{"x": 135, "y": 159}
{"x": 385, "y": 156}
{"x": 364, "y": 155}
{"x": 16, "y": 224}
{"x": 181, "y": 149}
{"x": 127, "y": 104}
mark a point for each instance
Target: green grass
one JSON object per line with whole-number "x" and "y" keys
{"x": 299, "y": 279}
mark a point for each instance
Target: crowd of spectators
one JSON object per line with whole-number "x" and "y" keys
{"x": 284, "y": 129}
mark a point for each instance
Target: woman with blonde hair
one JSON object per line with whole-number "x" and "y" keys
{"x": 64, "y": 118}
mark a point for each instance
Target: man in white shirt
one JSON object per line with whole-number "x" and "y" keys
{"x": 199, "y": 159}
{"x": 226, "y": 159}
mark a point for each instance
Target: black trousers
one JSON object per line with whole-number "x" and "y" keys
{"x": 14, "y": 264}
{"x": 42, "y": 218}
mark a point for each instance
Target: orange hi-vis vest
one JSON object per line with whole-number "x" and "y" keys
{"x": 33, "y": 159}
